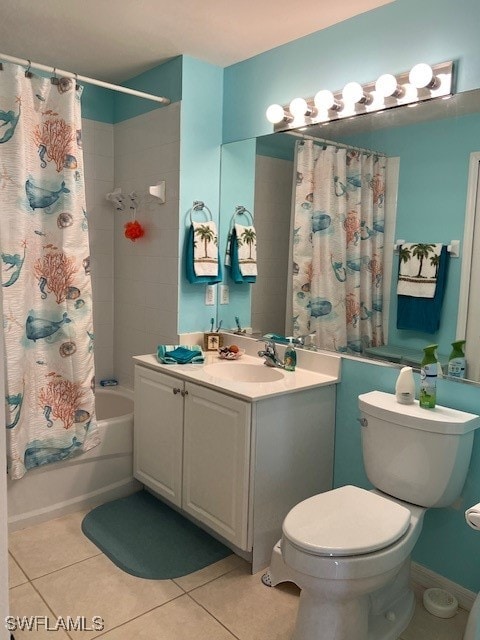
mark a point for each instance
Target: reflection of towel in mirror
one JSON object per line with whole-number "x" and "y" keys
{"x": 423, "y": 314}
{"x": 241, "y": 255}
{"x": 418, "y": 269}
{"x": 205, "y": 248}
{"x": 192, "y": 277}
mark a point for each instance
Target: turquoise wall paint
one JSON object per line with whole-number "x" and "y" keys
{"x": 97, "y": 103}
{"x": 200, "y": 140}
{"x": 237, "y": 188}
{"x": 163, "y": 80}
{"x": 434, "y": 160}
{"x": 446, "y": 545}
{"x": 389, "y": 39}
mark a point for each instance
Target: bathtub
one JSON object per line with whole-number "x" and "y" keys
{"x": 99, "y": 475}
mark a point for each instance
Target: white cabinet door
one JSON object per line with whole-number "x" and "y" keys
{"x": 216, "y": 461}
{"x": 158, "y": 432}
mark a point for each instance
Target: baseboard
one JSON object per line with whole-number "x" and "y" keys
{"x": 423, "y": 578}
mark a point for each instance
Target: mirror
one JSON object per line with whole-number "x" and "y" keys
{"x": 432, "y": 142}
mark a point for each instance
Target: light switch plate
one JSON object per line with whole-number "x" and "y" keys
{"x": 224, "y": 294}
{"x": 210, "y": 291}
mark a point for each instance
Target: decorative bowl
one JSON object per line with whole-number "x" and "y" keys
{"x": 225, "y": 354}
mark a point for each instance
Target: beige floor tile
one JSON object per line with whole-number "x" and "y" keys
{"x": 15, "y": 574}
{"x": 181, "y": 619}
{"x": 213, "y": 571}
{"x": 425, "y": 626}
{"x": 249, "y": 609}
{"x": 96, "y": 587}
{"x": 51, "y": 545}
{"x": 25, "y": 601}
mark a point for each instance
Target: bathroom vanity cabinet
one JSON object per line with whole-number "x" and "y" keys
{"x": 235, "y": 467}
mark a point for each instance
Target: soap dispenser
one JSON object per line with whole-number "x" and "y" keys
{"x": 290, "y": 360}
{"x": 405, "y": 386}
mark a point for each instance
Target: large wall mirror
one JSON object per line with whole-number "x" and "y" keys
{"x": 429, "y": 149}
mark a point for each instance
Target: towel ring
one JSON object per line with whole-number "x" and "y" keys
{"x": 240, "y": 211}
{"x": 198, "y": 205}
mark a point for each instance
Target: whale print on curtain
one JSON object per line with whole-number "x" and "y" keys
{"x": 46, "y": 288}
{"x": 338, "y": 247}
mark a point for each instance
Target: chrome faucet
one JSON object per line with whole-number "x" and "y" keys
{"x": 270, "y": 355}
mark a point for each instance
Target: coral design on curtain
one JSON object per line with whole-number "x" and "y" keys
{"x": 46, "y": 288}
{"x": 338, "y": 247}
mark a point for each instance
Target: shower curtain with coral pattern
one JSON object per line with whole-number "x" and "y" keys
{"x": 338, "y": 247}
{"x": 46, "y": 288}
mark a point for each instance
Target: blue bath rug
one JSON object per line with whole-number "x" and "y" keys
{"x": 148, "y": 539}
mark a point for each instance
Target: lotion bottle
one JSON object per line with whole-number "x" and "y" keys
{"x": 405, "y": 386}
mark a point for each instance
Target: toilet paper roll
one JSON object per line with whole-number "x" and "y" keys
{"x": 472, "y": 516}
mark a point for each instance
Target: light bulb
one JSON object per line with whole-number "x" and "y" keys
{"x": 353, "y": 92}
{"x": 422, "y": 77}
{"x": 325, "y": 101}
{"x": 387, "y": 86}
{"x": 275, "y": 113}
{"x": 298, "y": 107}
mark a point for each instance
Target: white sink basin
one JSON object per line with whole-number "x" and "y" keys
{"x": 241, "y": 372}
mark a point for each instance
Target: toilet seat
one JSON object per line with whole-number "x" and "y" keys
{"x": 347, "y": 521}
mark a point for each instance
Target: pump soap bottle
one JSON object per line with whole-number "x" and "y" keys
{"x": 456, "y": 361}
{"x": 405, "y": 386}
{"x": 428, "y": 378}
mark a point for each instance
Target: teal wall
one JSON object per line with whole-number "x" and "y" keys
{"x": 97, "y": 103}
{"x": 163, "y": 80}
{"x": 390, "y": 39}
{"x": 200, "y": 140}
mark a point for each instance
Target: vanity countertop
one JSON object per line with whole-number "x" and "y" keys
{"x": 289, "y": 382}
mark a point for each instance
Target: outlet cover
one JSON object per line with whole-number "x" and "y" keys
{"x": 224, "y": 294}
{"x": 210, "y": 296}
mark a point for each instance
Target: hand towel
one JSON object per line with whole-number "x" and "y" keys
{"x": 232, "y": 259}
{"x": 418, "y": 269}
{"x": 192, "y": 277}
{"x": 423, "y": 314}
{"x": 180, "y": 354}
{"x": 246, "y": 238}
{"x": 205, "y": 248}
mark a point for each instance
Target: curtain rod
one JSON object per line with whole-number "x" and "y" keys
{"x": 74, "y": 76}
{"x": 333, "y": 143}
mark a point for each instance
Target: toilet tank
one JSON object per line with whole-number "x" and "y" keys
{"x": 414, "y": 454}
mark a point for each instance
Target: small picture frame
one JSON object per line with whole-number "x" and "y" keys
{"x": 212, "y": 341}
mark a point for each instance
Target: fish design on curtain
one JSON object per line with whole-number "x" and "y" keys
{"x": 338, "y": 247}
{"x": 46, "y": 287}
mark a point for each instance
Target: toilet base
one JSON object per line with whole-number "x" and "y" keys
{"x": 381, "y": 615}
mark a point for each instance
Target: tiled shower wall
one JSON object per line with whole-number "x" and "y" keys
{"x": 147, "y": 150}
{"x": 97, "y": 139}
{"x": 273, "y": 194}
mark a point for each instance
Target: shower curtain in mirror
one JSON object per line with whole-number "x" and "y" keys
{"x": 338, "y": 246}
{"x": 46, "y": 288}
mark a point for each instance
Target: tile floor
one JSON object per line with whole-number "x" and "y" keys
{"x": 56, "y": 571}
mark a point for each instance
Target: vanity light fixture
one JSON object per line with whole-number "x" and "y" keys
{"x": 423, "y": 82}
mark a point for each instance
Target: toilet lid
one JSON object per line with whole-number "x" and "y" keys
{"x": 346, "y": 521}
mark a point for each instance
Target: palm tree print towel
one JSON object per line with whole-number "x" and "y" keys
{"x": 418, "y": 269}
{"x": 205, "y": 248}
{"x": 246, "y": 238}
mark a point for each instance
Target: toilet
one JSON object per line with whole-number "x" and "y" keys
{"x": 349, "y": 549}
